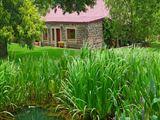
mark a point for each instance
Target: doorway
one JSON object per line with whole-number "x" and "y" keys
{"x": 56, "y": 35}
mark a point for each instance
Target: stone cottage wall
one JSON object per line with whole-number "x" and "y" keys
{"x": 95, "y": 34}
{"x": 86, "y": 33}
{"x": 81, "y": 33}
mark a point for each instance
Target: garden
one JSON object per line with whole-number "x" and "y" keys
{"x": 120, "y": 83}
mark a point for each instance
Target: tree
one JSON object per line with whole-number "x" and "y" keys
{"x": 5, "y": 34}
{"x": 20, "y": 19}
{"x": 133, "y": 20}
{"x": 30, "y": 28}
{"x": 5, "y": 30}
{"x": 107, "y": 35}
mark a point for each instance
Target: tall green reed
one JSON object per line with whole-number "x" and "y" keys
{"x": 28, "y": 80}
{"x": 98, "y": 84}
{"x": 121, "y": 83}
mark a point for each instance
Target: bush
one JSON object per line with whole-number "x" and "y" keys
{"x": 107, "y": 25}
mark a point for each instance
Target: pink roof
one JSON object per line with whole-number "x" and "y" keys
{"x": 99, "y": 11}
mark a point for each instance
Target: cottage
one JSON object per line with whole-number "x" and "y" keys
{"x": 73, "y": 30}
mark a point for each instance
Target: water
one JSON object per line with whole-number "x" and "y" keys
{"x": 35, "y": 113}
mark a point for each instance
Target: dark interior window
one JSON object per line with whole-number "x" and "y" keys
{"x": 71, "y": 34}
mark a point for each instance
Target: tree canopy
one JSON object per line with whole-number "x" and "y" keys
{"x": 30, "y": 28}
{"x": 66, "y": 5}
{"x": 134, "y": 20}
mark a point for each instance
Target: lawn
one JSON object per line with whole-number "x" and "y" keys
{"x": 17, "y": 51}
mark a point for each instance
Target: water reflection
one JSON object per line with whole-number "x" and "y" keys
{"x": 35, "y": 113}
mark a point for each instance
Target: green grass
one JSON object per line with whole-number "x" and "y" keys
{"x": 95, "y": 84}
{"x": 29, "y": 80}
{"x": 121, "y": 83}
{"x": 16, "y": 51}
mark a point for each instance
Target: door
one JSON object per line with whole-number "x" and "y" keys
{"x": 58, "y": 35}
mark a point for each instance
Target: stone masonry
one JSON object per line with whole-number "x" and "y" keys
{"x": 95, "y": 34}
{"x": 86, "y": 33}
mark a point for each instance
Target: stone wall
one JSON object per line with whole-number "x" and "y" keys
{"x": 81, "y": 33}
{"x": 86, "y": 33}
{"x": 95, "y": 34}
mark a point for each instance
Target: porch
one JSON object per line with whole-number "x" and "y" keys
{"x": 52, "y": 37}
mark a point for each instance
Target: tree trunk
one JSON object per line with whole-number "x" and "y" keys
{"x": 3, "y": 49}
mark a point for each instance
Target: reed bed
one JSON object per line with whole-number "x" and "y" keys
{"x": 28, "y": 81}
{"x": 119, "y": 84}
{"x": 96, "y": 85}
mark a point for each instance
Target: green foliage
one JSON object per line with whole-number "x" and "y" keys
{"x": 114, "y": 83}
{"x": 31, "y": 26}
{"x": 134, "y": 20}
{"x": 20, "y": 21}
{"x": 107, "y": 26}
{"x": 156, "y": 25}
{"x": 5, "y": 29}
{"x": 4, "y": 16}
{"x": 6, "y": 33}
{"x": 28, "y": 81}
{"x": 66, "y": 5}
{"x": 98, "y": 84}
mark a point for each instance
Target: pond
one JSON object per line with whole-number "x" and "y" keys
{"x": 35, "y": 113}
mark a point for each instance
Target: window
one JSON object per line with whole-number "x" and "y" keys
{"x": 71, "y": 34}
